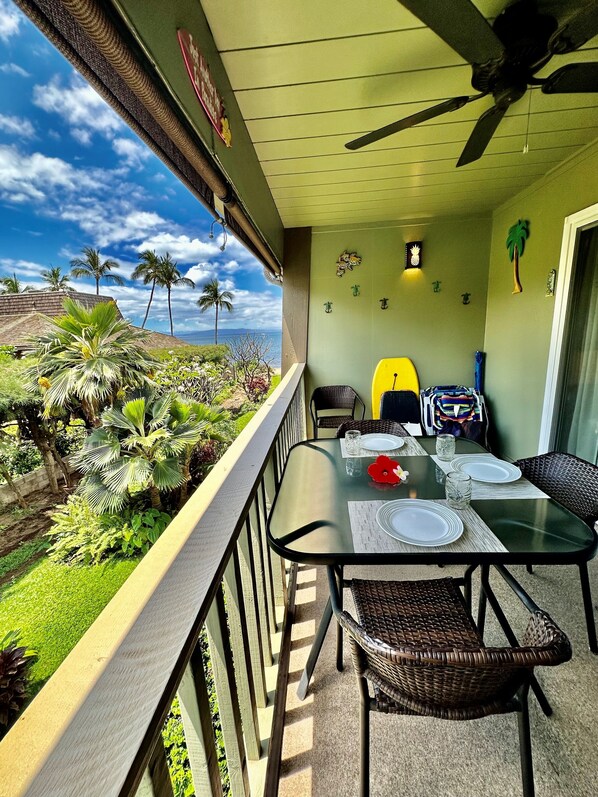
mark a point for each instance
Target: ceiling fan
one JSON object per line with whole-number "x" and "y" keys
{"x": 504, "y": 56}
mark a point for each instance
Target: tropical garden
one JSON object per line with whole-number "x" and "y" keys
{"x": 123, "y": 436}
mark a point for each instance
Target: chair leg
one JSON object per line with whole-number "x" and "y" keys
{"x": 364, "y": 740}
{"x": 588, "y": 607}
{"x": 525, "y": 746}
{"x": 339, "y": 630}
{"x": 529, "y": 568}
{"x": 482, "y": 600}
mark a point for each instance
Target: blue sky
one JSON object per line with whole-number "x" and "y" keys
{"x": 72, "y": 174}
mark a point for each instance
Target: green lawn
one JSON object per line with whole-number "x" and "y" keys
{"x": 54, "y": 604}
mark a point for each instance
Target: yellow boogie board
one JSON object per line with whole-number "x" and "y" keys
{"x": 393, "y": 373}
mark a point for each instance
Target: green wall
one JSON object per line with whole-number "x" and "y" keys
{"x": 518, "y": 327}
{"x": 435, "y": 330}
{"x": 158, "y": 32}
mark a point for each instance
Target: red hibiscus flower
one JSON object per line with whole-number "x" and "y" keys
{"x": 383, "y": 470}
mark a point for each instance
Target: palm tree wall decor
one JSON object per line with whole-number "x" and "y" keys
{"x": 212, "y": 296}
{"x": 169, "y": 276}
{"x": 92, "y": 265}
{"x": 516, "y": 238}
{"x": 148, "y": 270}
{"x": 56, "y": 280}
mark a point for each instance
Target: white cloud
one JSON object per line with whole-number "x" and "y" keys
{"x": 110, "y": 222}
{"x": 80, "y": 107}
{"x": 10, "y": 19}
{"x": 17, "y": 126}
{"x": 22, "y": 268}
{"x": 30, "y": 177}
{"x": 132, "y": 152}
{"x": 14, "y": 69}
{"x": 182, "y": 248}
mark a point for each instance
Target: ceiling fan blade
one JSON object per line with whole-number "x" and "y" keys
{"x": 571, "y": 79}
{"x": 482, "y": 133}
{"x": 410, "y": 121}
{"x": 461, "y": 26}
{"x": 576, "y": 30}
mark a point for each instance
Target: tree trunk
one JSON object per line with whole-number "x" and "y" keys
{"x": 170, "y": 314}
{"x": 155, "y": 497}
{"x": 516, "y": 284}
{"x": 40, "y": 440}
{"x": 216, "y": 327}
{"x": 97, "y": 286}
{"x": 184, "y": 491}
{"x": 61, "y": 464}
{"x": 149, "y": 304}
{"x": 8, "y": 479}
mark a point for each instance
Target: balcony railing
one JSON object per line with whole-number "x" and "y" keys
{"x": 95, "y": 728}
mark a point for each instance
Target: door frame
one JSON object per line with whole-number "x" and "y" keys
{"x": 573, "y": 225}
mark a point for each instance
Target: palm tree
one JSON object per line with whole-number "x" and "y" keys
{"x": 169, "y": 276}
{"x": 146, "y": 443}
{"x": 92, "y": 266}
{"x": 212, "y": 296}
{"x": 56, "y": 280}
{"x": 149, "y": 271}
{"x": 516, "y": 238}
{"x": 12, "y": 285}
{"x": 87, "y": 357}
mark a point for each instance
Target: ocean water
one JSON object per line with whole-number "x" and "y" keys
{"x": 271, "y": 336}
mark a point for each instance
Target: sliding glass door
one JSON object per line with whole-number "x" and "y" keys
{"x": 577, "y": 425}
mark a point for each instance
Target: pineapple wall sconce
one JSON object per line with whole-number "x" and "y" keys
{"x": 413, "y": 254}
{"x": 347, "y": 262}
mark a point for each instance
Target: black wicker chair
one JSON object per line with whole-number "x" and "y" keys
{"x": 373, "y": 427}
{"x": 419, "y": 647}
{"x": 330, "y": 398}
{"x": 401, "y": 406}
{"x": 572, "y": 482}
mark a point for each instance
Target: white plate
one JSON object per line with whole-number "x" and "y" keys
{"x": 418, "y": 522}
{"x": 484, "y": 468}
{"x": 380, "y": 442}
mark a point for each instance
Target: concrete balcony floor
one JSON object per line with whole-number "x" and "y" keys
{"x": 422, "y": 757}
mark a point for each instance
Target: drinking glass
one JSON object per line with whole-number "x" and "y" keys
{"x": 445, "y": 447}
{"x": 458, "y": 490}
{"x": 352, "y": 438}
{"x": 354, "y": 466}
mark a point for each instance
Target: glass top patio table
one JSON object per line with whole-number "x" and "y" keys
{"x": 310, "y": 520}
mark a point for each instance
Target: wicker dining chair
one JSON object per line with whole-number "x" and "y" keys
{"x": 330, "y": 398}
{"x": 373, "y": 427}
{"x": 418, "y": 646}
{"x": 572, "y": 482}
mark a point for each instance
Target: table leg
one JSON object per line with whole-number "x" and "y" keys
{"x": 315, "y": 651}
{"x": 588, "y": 607}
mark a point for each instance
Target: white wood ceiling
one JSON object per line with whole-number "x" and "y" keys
{"x": 310, "y": 75}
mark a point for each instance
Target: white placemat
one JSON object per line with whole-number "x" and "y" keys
{"x": 410, "y": 448}
{"x": 368, "y": 537}
{"x": 481, "y": 491}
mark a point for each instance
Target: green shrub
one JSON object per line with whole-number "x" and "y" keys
{"x": 21, "y": 555}
{"x": 23, "y": 457}
{"x": 210, "y": 353}
{"x": 200, "y": 381}
{"x": 81, "y": 536}
{"x": 15, "y": 661}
